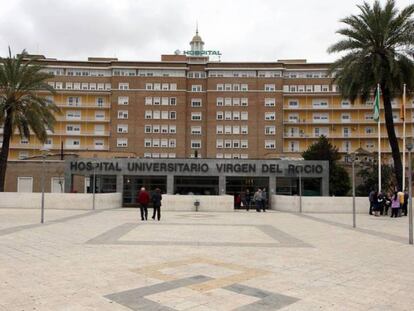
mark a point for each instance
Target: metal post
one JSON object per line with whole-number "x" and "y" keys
{"x": 42, "y": 213}
{"x": 300, "y": 192}
{"x": 410, "y": 199}
{"x": 94, "y": 186}
{"x": 353, "y": 195}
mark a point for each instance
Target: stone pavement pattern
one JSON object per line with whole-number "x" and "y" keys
{"x": 109, "y": 260}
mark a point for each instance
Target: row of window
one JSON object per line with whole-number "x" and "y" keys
{"x": 228, "y": 101}
{"x": 235, "y": 129}
{"x": 80, "y": 86}
{"x": 163, "y": 129}
{"x": 149, "y": 73}
{"x": 157, "y": 114}
{"x": 160, "y": 143}
{"x": 232, "y": 156}
{"x": 310, "y": 88}
{"x": 232, "y": 115}
{"x": 164, "y": 101}
{"x": 76, "y": 115}
{"x": 159, "y": 155}
{"x": 232, "y": 87}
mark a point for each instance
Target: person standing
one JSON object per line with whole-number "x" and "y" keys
{"x": 380, "y": 204}
{"x": 248, "y": 199}
{"x": 143, "y": 200}
{"x": 243, "y": 199}
{"x": 395, "y": 205}
{"x": 401, "y": 198}
{"x": 405, "y": 204}
{"x": 257, "y": 198}
{"x": 371, "y": 200}
{"x": 264, "y": 199}
{"x": 156, "y": 202}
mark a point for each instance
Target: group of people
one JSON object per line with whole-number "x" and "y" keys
{"x": 380, "y": 203}
{"x": 144, "y": 198}
{"x": 247, "y": 200}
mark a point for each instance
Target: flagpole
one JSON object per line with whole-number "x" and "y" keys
{"x": 379, "y": 142}
{"x": 403, "y": 117}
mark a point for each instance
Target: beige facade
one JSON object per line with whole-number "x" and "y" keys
{"x": 182, "y": 106}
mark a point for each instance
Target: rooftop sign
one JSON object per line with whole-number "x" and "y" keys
{"x": 202, "y": 53}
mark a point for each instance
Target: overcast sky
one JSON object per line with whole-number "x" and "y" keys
{"x": 243, "y": 30}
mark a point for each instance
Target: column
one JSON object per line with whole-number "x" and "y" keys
{"x": 272, "y": 191}
{"x": 68, "y": 181}
{"x": 170, "y": 184}
{"x": 222, "y": 184}
{"x": 120, "y": 183}
{"x": 325, "y": 186}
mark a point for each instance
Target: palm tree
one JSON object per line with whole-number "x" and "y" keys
{"x": 21, "y": 106}
{"x": 378, "y": 49}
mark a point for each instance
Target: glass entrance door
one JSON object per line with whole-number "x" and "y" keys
{"x": 235, "y": 185}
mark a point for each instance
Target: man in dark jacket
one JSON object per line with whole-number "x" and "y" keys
{"x": 143, "y": 200}
{"x": 156, "y": 202}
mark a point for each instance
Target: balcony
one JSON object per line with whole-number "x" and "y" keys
{"x": 83, "y": 119}
{"x": 87, "y": 106}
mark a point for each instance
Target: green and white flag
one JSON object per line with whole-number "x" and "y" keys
{"x": 377, "y": 105}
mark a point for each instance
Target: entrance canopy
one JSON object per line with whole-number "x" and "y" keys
{"x": 177, "y": 171}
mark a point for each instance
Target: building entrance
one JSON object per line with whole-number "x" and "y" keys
{"x": 132, "y": 185}
{"x": 236, "y": 185}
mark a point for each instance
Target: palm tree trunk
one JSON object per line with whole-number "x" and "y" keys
{"x": 4, "y": 153}
{"x": 392, "y": 138}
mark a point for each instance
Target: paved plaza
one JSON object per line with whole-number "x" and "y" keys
{"x": 110, "y": 260}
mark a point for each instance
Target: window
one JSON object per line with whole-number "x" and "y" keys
{"x": 227, "y": 129}
{"x": 148, "y": 114}
{"x": 196, "y": 88}
{"x": 196, "y": 130}
{"x": 73, "y": 128}
{"x": 244, "y": 144}
{"x": 219, "y": 101}
{"x": 369, "y": 116}
{"x": 270, "y": 144}
{"x": 173, "y": 86}
{"x": 164, "y": 115}
{"x": 98, "y": 144}
{"x": 196, "y": 116}
{"x": 122, "y": 114}
{"x": 100, "y": 101}
{"x": 165, "y": 86}
{"x": 173, "y": 129}
{"x": 122, "y": 128}
{"x": 99, "y": 115}
{"x": 76, "y": 86}
{"x": 293, "y": 118}
{"x": 172, "y": 143}
{"x": 24, "y": 184}
{"x": 173, "y": 115}
{"x": 195, "y": 102}
{"x": 244, "y": 129}
{"x": 309, "y": 88}
{"x": 219, "y": 143}
{"x": 345, "y": 118}
{"x": 236, "y": 129}
{"x": 85, "y": 86}
{"x": 293, "y": 146}
{"x": 236, "y": 115}
{"x": 148, "y": 86}
{"x": 156, "y": 114}
{"x": 195, "y": 144}
{"x": 244, "y": 87}
{"x": 244, "y": 102}
{"x": 148, "y": 101}
{"x": 270, "y": 116}
{"x": 72, "y": 143}
{"x": 236, "y": 87}
{"x": 24, "y": 141}
{"x": 345, "y": 131}
{"x": 345, "y": 104}
{"x": 236, "y": 101}
{"x": 269, "y": 87}
{"x": 123, "y": 86}
{"x": 369, "y": 130}
{"x": 122, "y": 142}
{"x": 227, "y": 101}
{"x": 219, "y": 129}
{"x": 157, "y": 86}
{"x": 73, "y": 115}
{"x": 236, "y": 143}
{"x": 227, "y": 143}
{"x": 156, "y": 142}
{"x": 320, "y": 118}
{"x": 346, "y": 146}
{"x": 147, "y": 142}
{"x": 227, "y": 87}
{"x": 227, "y": 115}
{"x": 319, "y": 131}
{"x": 293, "y": 103}
{"x": 219, "y": 87}
{"x": 270, "y": 102}
{"x": 156, "y": 101}
{"x": 270, "y": 130}
{"x": 173, "y": 101}
{"x": 101, "y": 86}
{"x": 244, "y": 115}
{"x": 59, "y": 85}
{"x": 164, "y": 143}
{"x": 219, "y": 156}
{"x": 319, "y": 103}
{"x": 74, "y": 101}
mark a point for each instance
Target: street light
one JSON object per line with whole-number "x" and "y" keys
{"x": 409, "y": 146}
{"x": 353, "y": 159}
{"x": 44, "y": 151}
{"x": 94, "y": 184}
{"x": 300, "y": 192}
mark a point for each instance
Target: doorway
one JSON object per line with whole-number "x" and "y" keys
{"x": 235, "y": 185}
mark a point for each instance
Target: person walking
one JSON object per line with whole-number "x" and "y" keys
{"x": 405, "y": 204}
{"x": 371, "y": 200}
{"x": 248, "y": 199}
{"x": 395, "y": 205}
{"x": 143, "y": 200}
{"x": 264, "y": 199}
{"x": 156, "y": 202}
{"x": 257, "y": 198}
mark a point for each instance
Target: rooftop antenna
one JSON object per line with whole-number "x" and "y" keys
{"x": 196, "y": 27}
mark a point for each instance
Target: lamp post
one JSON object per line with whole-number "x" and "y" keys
{"x": 300, "y": 192}
{"x": 353, "y": 159}
{"x": 94, "y": 185}
{"x": 409, "y": 146}
{"x": 42, "y": 208}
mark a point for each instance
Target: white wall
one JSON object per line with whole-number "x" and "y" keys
{"x": 60, "y": 200}
{"x": 319, "y": 204}
{"x": 208, "y": 203}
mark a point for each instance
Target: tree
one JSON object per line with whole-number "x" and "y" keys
{"x": 379, "y": 49}
{"x": 21, "y": 106}
{"x": 339, "y": 183}
{"x": 369, "y": 177}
